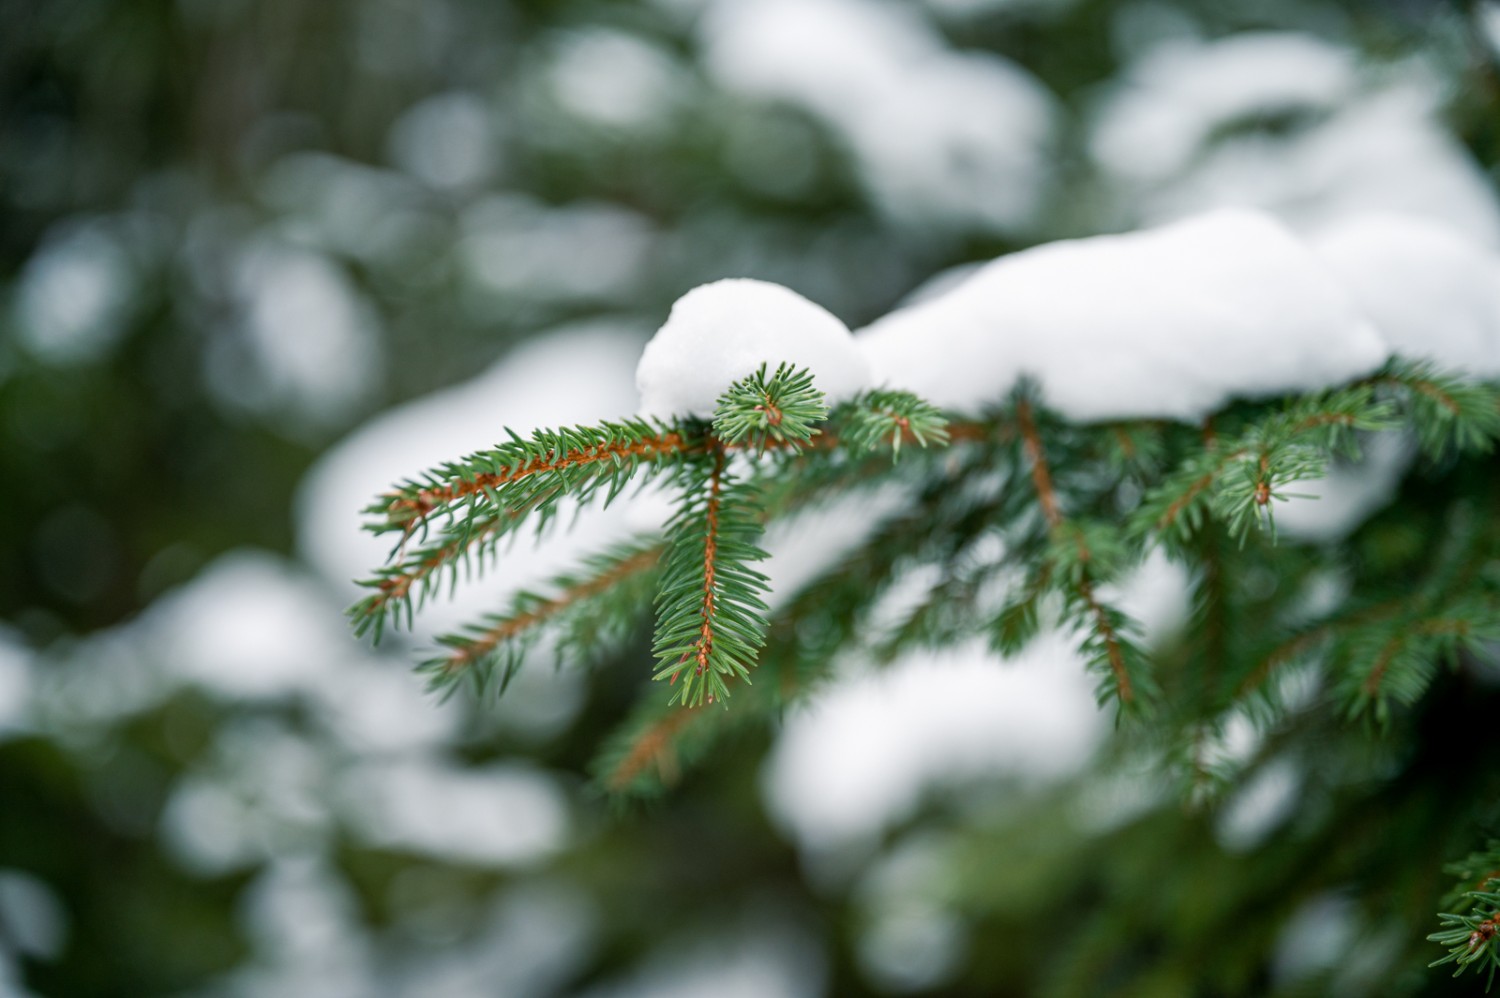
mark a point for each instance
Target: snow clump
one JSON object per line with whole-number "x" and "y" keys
{"x": 721, "y": 332}
{"x": 960, "y": 140}
{"x": 1171, "y": 323}
{"x": 1433, "y": 293}
{"x": 1288, "y": 123}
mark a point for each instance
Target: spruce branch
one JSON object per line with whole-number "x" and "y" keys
{"x": 1450, "y": 414}
{"x": 1473, "y": 937}
{"x": 710, "y": 615}
{"x": 1237, "y": 481}
{"x": 531, "y": 474}
{"x": 760, "y": 411}
{"x": 406, "y": 585}
{"x": 1076, "y": 554}
{"x": 1300, "y": 645}
{"x": 1395, "y": 663}
{"x": 649, "y": 758}
{"x": 591, "y": 608}
{"x": 884, "y": 417}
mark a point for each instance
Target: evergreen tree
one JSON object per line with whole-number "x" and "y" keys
{"x": 1078, "y": 508}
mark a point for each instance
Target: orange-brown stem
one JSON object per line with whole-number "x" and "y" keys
{"x": 510, "y": 628}
{"x": 424, "y": 501}
{"x": 654, "y": 746}
{"x": 704, "y": 649}
{"x": 1295, "y": 646}
{"x": 1041, "y": 475}
{"x": 1041, "y": 478}
{"x": 1423, "y": 387}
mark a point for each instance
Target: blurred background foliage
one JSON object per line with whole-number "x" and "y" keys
{"x": 234, "y": 232}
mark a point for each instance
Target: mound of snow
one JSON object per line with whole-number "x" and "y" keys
{"x": 954, "y": 139}
{"x": 860, "y": 755}
{"x": 1432, "y": 293}
{"x": 1287, "y": 123}
{"x": 1171, "y": 103}
{"x": 574, "y": 375}
{"x": 721, "y": 332}
{"x": 1170, "y": 323}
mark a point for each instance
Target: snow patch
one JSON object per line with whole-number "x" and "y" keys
{"x": 1287, "y": 123}
{"x": 1433, "y": 293}
{"x": 448, "y": 141}
{"x": 15, "y": 683}
{"x": 614, "y": 78}
{"x": 953, "y": 138}
{"x": 1332, "y": 507}
{"x": 1174, "y": 100}
{"x": 500, "y": 815}
{"x": 1172, "y": 322}
{"x": 73, "y": 295}
{"x": 719, "y": 333}
{"x": 307, "y": 345}
{"x": 577, "y": 375}
{"x": 860, "y": 754}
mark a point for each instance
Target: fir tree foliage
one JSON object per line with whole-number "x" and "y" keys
{"x": 453, "y": 520}
{"x": 1025, "y": 522}
{"x": 1473, "y": 937}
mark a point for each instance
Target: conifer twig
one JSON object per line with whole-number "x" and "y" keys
{"x": 482, "y": 644}
{"x": 411, "y": 507}
{"x": 1041, "y": 477}
{"x": 653, "y": 747}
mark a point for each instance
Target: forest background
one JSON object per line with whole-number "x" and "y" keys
{"x": 259, "y": 260}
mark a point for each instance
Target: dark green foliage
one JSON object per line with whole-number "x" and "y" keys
{"x": 882, "y": 418}
{"x": 1473, "y": 937}
{"x": 484, "y": 498}
{"x": 761, "y": 410}
{"x": 585, "y": 612}
{"x": 710, "y": 614}
{"x": 710, "y": 619}
{"x": 1023, "y": 522}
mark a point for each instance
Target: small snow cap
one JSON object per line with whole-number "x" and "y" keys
{"x": 721, "y": 332}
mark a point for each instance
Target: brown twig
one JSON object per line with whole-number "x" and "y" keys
{"x": 653, "y": 746}
{"x": 482, "y": 645}
{"x": 1041, "y": 475}
{"x": 1290, "y": 649}
{"x": 703, "y": 650}
{"x": 1041, "y": 478}
{"x": 424, "y": 501}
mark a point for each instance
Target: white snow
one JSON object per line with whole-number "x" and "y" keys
{"x": 756, "y": 955}
{"x": 1171, "y": 102}
{"x": 73, "y": 295}
{"x": 574, "y": 375}
{"x": 247, "y": 627}
{"x": 1331, "y": 507}
{"x": 1166, "y": 323}
{"x": 1262, "y": 805}
{"x": 1433, "y": 293}
{"x": 15, "y": 683}
{"x": 307, "y": 333}
{"x": 448, "y": 140}
{"x": 515, "y": 247}
{"x": 858, "y": 756}
{"x": 262, "y": 791}
{"x": 1288, "y": 123}
{"x": 614, "y": 78}
{"x": 941, "y": 137}
{"x": 719, "y": 333}
{"x": 33, "y": 918}
{"x": 500, "y": 815}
